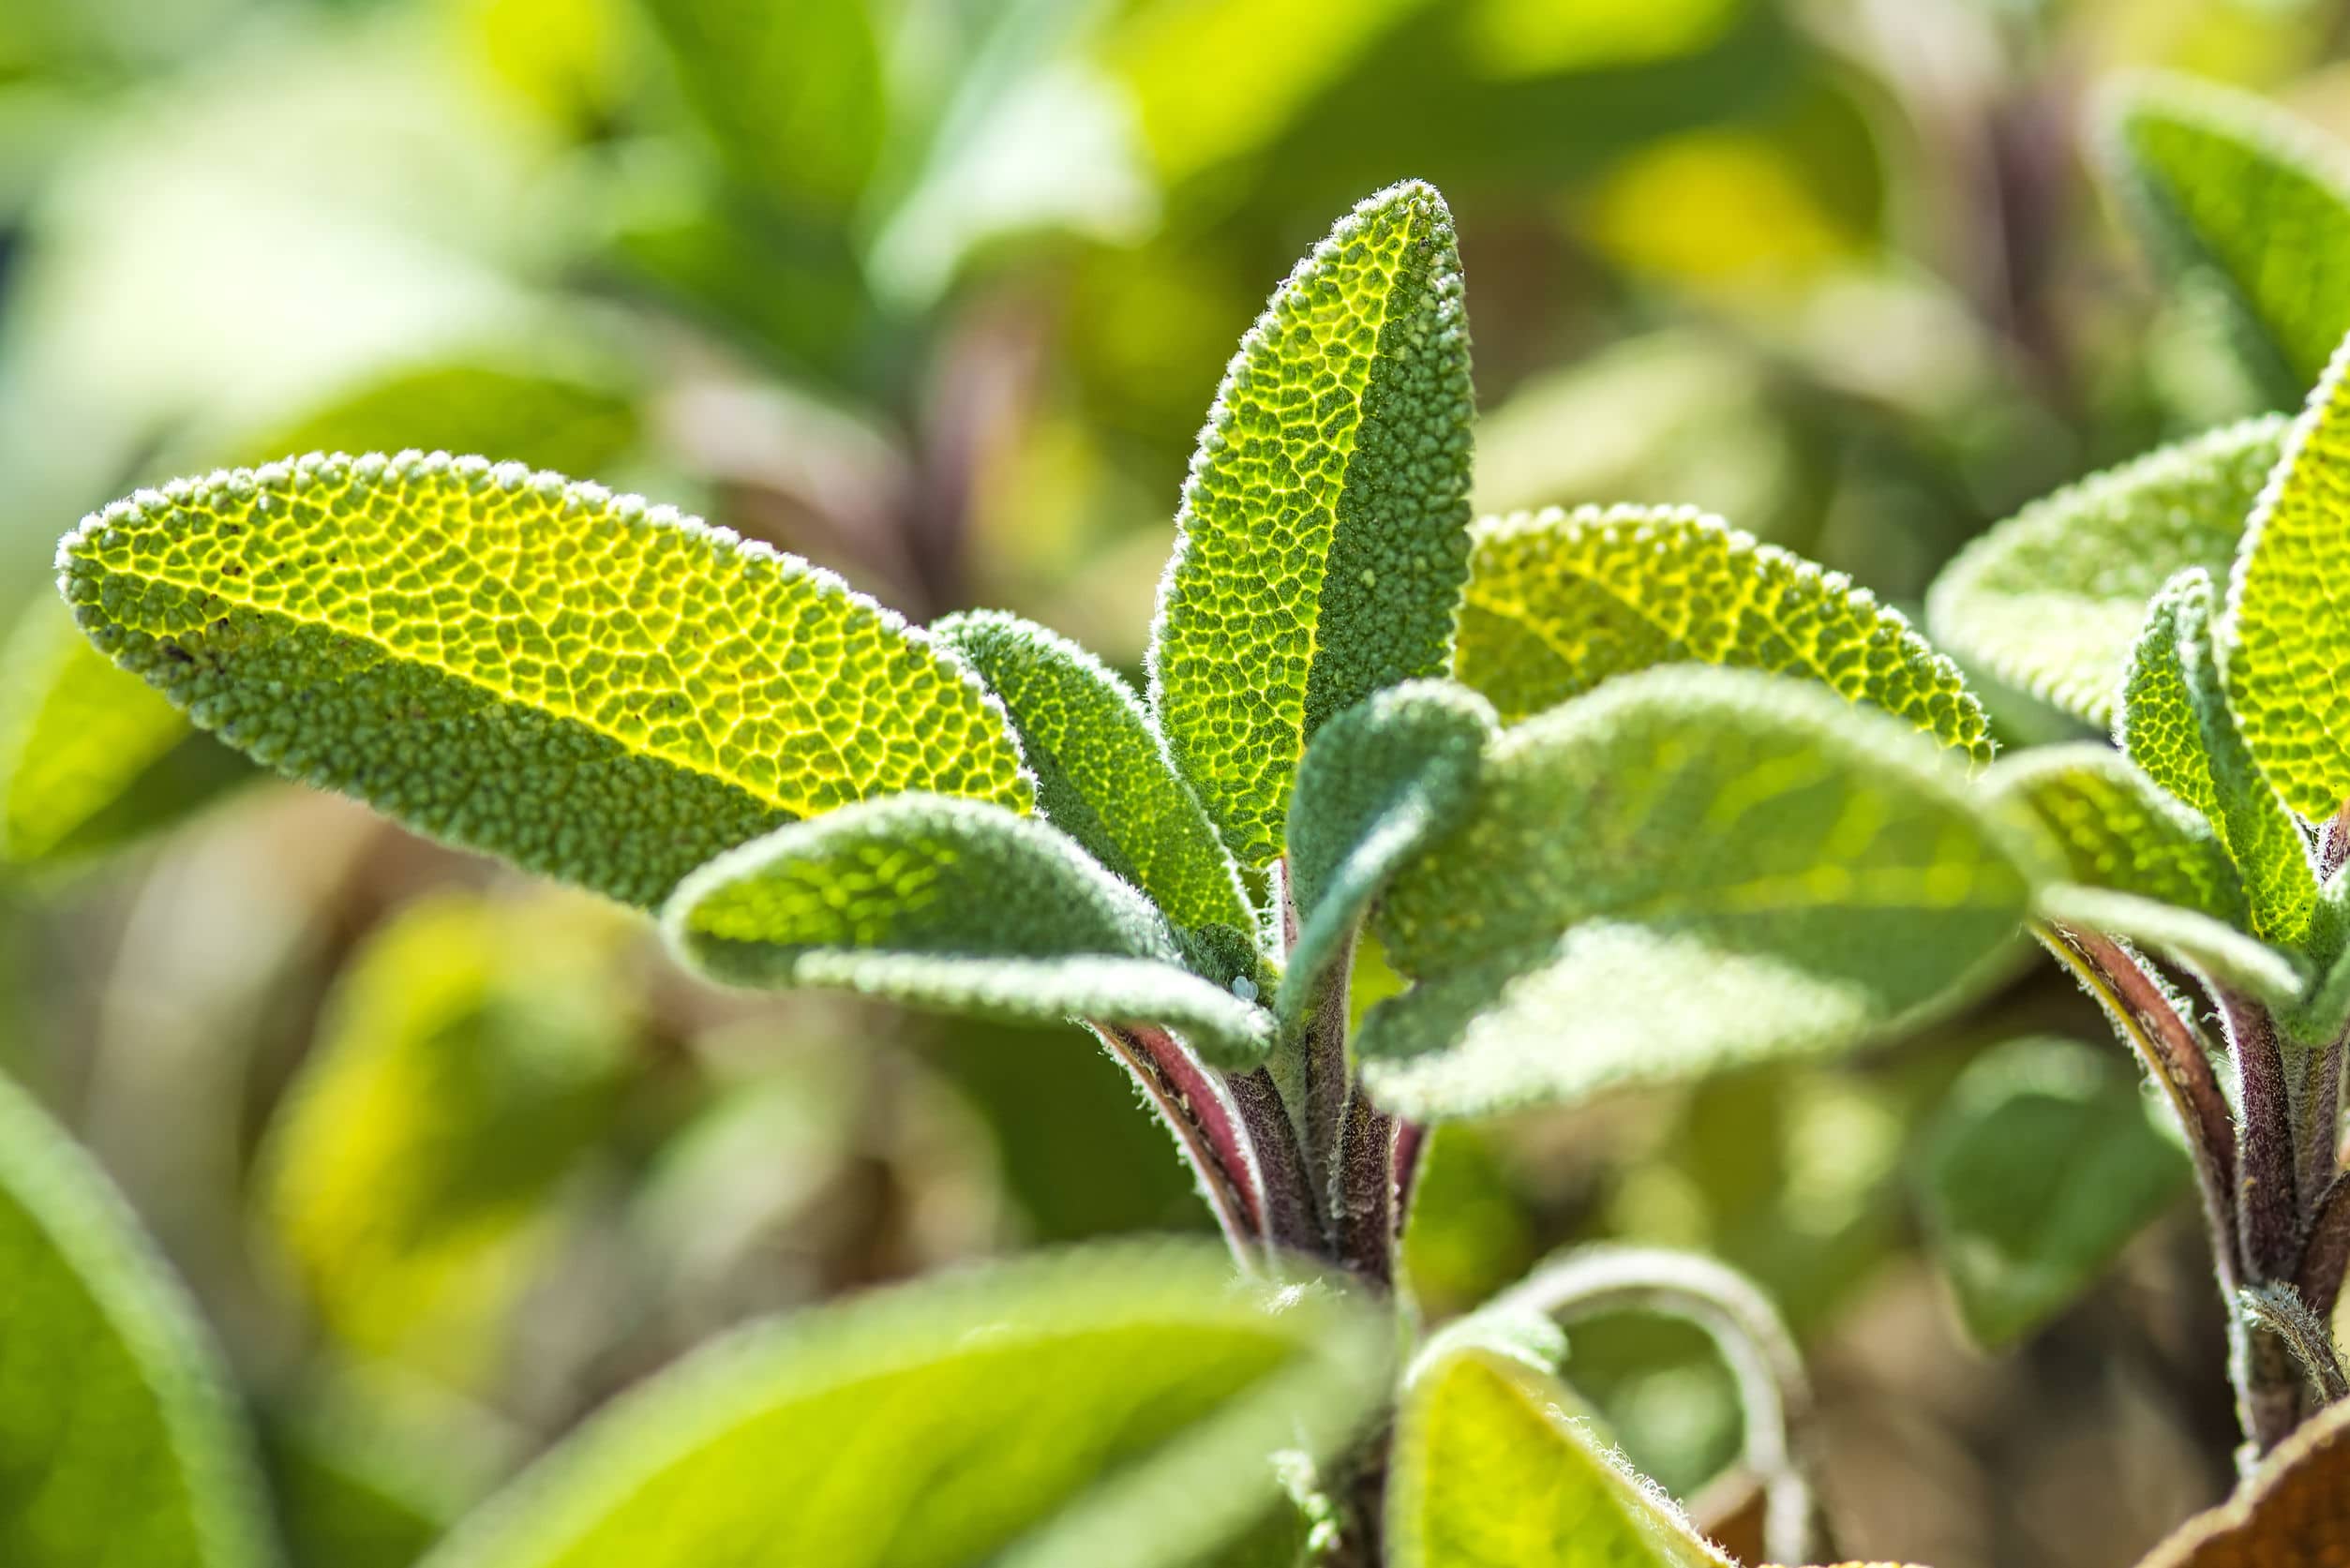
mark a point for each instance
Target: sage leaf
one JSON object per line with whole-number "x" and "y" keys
{"x": 1117, "y": 1406}
{"x": 2051, "y": 599}
{"x": 954, "y": 905}
{"x": 1685, "y": 871}
{"x": 1559, "y": 602}
{"x": 1496, "y": 1465}
{"x": 2039, "y": 1166}
{"x": 2288, "y": 1510}
{"x": 1101, "y": 769}
{"x": 597, "y": 690}
{"x": 1323, "y": 537}
{"x": 117, "y": 1440}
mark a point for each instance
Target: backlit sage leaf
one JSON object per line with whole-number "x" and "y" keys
{"x": 1322, "y": 538}
{"x": 1496, "y": 1465}
{"x": 1685, "y": 871}
{"x": 2038, "y": 1168}
{"x": 2285, "y": 642}
{"x": 1101, "y": 769}
{"x": 1559, "y": 602}
{"x": 473, "y": 1052}
{"x": 2178, "y": 728}
{"x": 2051, "y": 599}
{"x": 955, "y": 905}
{"x": 595, "y": 689}
{"x": 1121, "y": 1406}
{"x": 92, "y": 757}
{"x": 1379, "y": 784}
{"x": 117, "y": 1441}
{"x": 2289, "y": 1511}
{"x": 2238, "y": 196}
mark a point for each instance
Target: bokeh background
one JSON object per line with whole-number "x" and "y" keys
{"x": 936, "y": 292}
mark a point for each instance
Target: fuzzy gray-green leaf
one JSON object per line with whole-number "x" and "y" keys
{"x": 2051, "y": 599}
{"x": 1687, "y": 870}
{"x": 1559, "y": 602}
{"x": 2176, "y": 726}
{"x": 1322, "y": 538}
{"x": 1378, "y": 784}
{"x": 1102, "y": 767}
{"x": 956, "y": 905}
{"x": 1121, "y": 1406}
{"x": 117, "y": 1440}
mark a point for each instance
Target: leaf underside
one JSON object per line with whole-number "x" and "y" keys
{"x": 1753, "y": 869}
{"x": 1117, "y": 1406}
{"x": 1559, "y": 602}
{"x": 2051, "y": 599}
{"x": 1322, "y": 541}
{"x": 117, "y": 1442}
{"x": 956, "y": 905}
{"x": 600, "y": 691}
{"x": 2289, "y": 1512}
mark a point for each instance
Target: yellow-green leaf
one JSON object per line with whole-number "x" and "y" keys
{"x": 1559, "y": 602}
{"x": 1102, "y": 767}
{"x": 598, "y": 690}
{"x": 1496, "y": 1465}
{"x": 1121, "y": 1406}
{"x": 959, "y": 906}
{"x": 1687, "y": 870}
{"x": 2239, "y": 196}
{"x": 2051, "y": 599}
{"x": 1322, "y": 538}
{"x": 117, "y": 1441}
{"x": 2285, "y": 641}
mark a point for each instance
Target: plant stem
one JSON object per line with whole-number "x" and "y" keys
{"x": 1293, "y": 1215}
{"x": 2267, "y": 1201}
{"x": 1204, "y": 1120}
{"x": 1363, "y": 1192}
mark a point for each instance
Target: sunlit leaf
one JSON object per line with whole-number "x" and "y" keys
{"x": 2289, "y": 1512}
{"x": 1687, "y": 870}
{"x": 1324, "y": 533}
{"x": 954, "y": 905}
{"x": 117, "y": 1441}
{"x": 2051, "y": 599}
{"x": 1496, "y": 1467}
{"x": 2040, "y": 1166}
{"x": 1559, "y": 602}
{"x": 2238, "y": 196}
{"x": 598, "y": 690}
{"x": 1121, "y": 1407}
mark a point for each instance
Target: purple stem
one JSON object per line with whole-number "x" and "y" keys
{"x": 1292, "y": 1205}
{"x": 1205, "y": 1123}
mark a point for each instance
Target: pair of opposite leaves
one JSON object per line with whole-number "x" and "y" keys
{"x": 617, "y": 695}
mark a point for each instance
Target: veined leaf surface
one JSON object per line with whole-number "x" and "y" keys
{"x": 1322, "y": 538}
{"x": 1121, "y": 1406}
{"x": 598, "y": 690}
{"x": 117, "y": 1442}
{"x": 955, "y": 905}
{"x": 2051, "y": 599}
{"x": 1559, "y": 602}
{"x": 1683, "y": 871}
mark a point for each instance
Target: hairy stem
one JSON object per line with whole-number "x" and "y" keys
{"x": 1206, "y": 1127}
{"x": 2279, "y": 1309}
{"x": 2317, "y": 1125}
{"x": 1363, "y": 1191}
{"x": 2267, "y": 1206}
{"x": 1294, "y": 1216}
{"x": 2326, "y": 1250}
{"x": 1409, "y": 1155}
{"x": 2333, "y": 843}
{"x": 1773, "y": 1391}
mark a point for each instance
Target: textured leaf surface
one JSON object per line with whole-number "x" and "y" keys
{"x": 801, "y": 110}
{"x": 1322, "y": 538}
{"x": 117, "y": 1444}
{"x": 473, "y": 1055}
{"x": 1559, "y": 602}
{"x": 1495, "y": 1467}
{"x": 2051, "y": 599}
{"x": 2039, "y": 1168}
{"x": 1118, "y": 1407}
{"x": 1378, "y": 784}
{"x": 2176, "y": 725}
{"x": 1102, "y": 767}
{"x": 2286, "y": 643}
{"x": 597, "y": 690}
{"x": 1687, "y": 870}
{"x": 90, "y": 757}
{"x": 957, "y": 905}
{"x": 2289, "y": 1512}
{"x": 2237, "y": 193}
